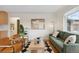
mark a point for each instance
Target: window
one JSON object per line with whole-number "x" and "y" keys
{"x": 73, "y": 22}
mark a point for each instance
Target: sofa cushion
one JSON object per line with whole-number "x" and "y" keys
{"x": 58, "y": 41}
{"x": 77, "y": 38}
{"x": 66, "y": 35}
{"x": 62, "y": 35}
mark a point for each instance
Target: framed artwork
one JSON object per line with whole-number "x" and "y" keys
{"x": 38, "y": 23}
{"x": 11, "y": 26}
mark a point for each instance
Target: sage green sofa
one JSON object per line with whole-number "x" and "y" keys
{"x": 58, "y": 43}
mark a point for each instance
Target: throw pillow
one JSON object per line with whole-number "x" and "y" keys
{"x": 55, "y": 34}
{"x": 70, "y": 40}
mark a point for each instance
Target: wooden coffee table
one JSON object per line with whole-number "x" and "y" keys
{"x": 36, "y": 48}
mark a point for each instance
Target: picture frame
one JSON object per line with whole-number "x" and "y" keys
{"x": 11, "y": 26}
{"x": 38, "y": 23}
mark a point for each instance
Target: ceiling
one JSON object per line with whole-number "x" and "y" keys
{"x": 31, "y": 8}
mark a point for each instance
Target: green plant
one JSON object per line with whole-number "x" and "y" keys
{"x": 21, "y": 31}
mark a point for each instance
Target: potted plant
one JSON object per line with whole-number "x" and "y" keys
{"x": 21, "y": 31}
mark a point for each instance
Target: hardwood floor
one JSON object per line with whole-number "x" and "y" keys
{"x": 52, "y": 47}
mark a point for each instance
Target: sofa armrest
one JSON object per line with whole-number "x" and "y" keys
{"x": 71, "y": 48}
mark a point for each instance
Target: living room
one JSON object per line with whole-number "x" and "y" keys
{"x": 37, "y": 22}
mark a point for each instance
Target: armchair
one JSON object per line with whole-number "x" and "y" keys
{"x": 7, "y": 47}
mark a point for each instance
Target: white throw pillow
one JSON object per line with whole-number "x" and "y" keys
{"x": 55, "y": 34}
{"x": 70, "y": 40}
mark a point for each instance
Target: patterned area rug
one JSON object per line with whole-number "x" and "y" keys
{"x": 47, "y": 49}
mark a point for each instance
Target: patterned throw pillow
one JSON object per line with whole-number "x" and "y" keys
{"x": 70, "y": 40}
{"x": 55, "y": 34}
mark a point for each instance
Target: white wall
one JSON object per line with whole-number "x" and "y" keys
{"x": 37, "y": 33}
{"x": 12, "y": 20}
{"x": 25, "y": 19}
